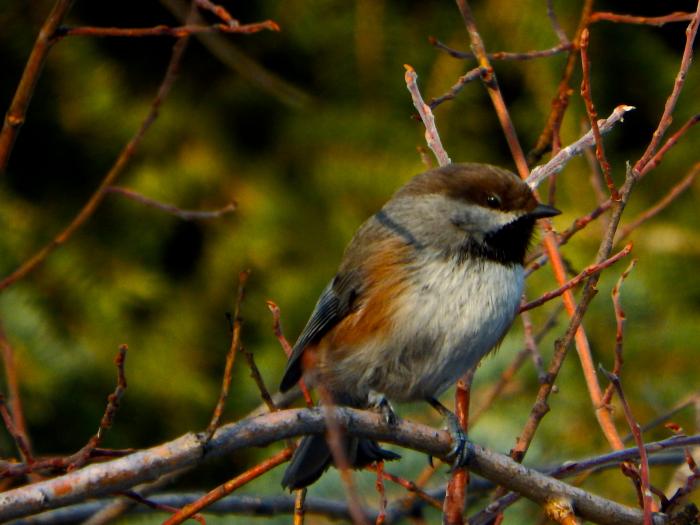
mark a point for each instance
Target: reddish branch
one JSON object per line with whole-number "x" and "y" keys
{"x": 230, "y": 356}
{"x": 488, "y": 76}
{"x": 637, "y": 433}
{"x": 16, "y": 114}
{"x": 410, "y": 486}
{"x": 593, "y": 116}
{"x": 277, "y": 327}
{"x": 666, "y": 118}
{"x": 619, "y": 328}
{"x": 186, "y": 215}
{"x": 550, "y": 133}
{"x": 462, "y": 81}
{"x": 678, "y": 16}
{"x": 90, "y": 450}
{"x": 379, "y": 484}
{"x": 587, "y": 272}
{"x": 122, "y": 160}
{"x": 663, "y": 203}
{"x": 228, "y": 487}
{"x": 162, "y": 30}
{"x": 456, "y": 493}
{"x": 136, "y": 497}
{"x": 16, "y": 418}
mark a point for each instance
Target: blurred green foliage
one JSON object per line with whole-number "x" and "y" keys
{"x": 306, "y": 170}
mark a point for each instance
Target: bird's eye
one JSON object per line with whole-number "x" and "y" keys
{"x": 492, "y": 201}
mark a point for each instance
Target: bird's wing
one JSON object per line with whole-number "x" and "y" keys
{"x": 335, "y": 303}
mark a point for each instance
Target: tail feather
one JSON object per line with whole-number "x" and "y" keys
{"x": 313, "y": 457}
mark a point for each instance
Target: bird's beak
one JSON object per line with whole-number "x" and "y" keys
{"x": 544, "y": 210}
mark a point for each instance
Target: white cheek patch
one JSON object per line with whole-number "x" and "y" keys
{"x": 477, "y": 220}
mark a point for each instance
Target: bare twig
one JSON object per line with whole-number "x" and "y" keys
{"x": 587, "y": 272}
{"x": 231, "y": 355}
{"x": 257, "y": 377}
{"x": 113, "y": 400}
{"x": 381, "y": 516}
{"x": 637, "y": 433}
{"x": 502, "y": 55}
{"x": 219, "y": 11}
{"x": 672, "y": 140}
{"x": 469, "y": 76}
{"x": 19, "y": 438}
{"x": 227, "y": 488}
{"x": 177, "y": 32}
{"x": 122, "y": 160}
{"x": 620, "y": 324}
{"x": 659, "y": 21}
{"x": 14, "y": 400}
{"x": 410, "y": 486}
{"x": 488, "y": 76}
{"x": 550, "y": 132}
{"x": 16, "y": 114}
{"x": 277, "y": 327}
{"x": 432, "y": 137}
{"x": 593, "y": 116}
{"x": 561, "y": 34}
{"x": 138, "y": 498}
{"x": 186, "y": 215}
{"x": 666, "y": 118}
{"x": 663, "y": 203}
{"x": 557, "y": 163}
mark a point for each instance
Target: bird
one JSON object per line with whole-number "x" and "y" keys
{"x": 426, "y": 288}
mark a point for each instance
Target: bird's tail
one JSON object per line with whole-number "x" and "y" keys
{"x": 313, "y": 457}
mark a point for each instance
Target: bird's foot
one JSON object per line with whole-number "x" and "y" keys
{"x": 462, "y": 451}
{"x": 380, "y": 403}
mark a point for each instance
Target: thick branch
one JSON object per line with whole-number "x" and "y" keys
{"x": 120, "y": 474}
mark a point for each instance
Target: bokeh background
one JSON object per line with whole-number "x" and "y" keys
{"x": 310, "y": 130}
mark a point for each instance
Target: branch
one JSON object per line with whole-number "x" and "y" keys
{"x": 432, "y": 137}
{"x": 18, "y": 108}
{"x": 186, "y": 215}
{"x": 122, "y": 160}
{"x": 658, "y": 21}
{"x": 121, "y": 474}
{"x": 162, "y": 30}
{"x": 557, "y": 163}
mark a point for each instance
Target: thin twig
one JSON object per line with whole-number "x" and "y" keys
{"x": 277, "y": 327}
{"x": 619, "y": 329}
{"x": 227, "y": 488}
{"x": 637, "y": 433}
{"x": 666, "y": 118}
{"x": 17, "y": 112}
{"x": 557, "y": 163}
{"x": 411, "y": 486}
{"x": 162, "y": 30}
{"x": 381, "y": 516}
{"x": 80, "y": 458}
{"x": 186, "y": 215}
{"x": 257, "y": 377}
{"x": 230, "y": 355}
{"x": 218, "y": 10}
{"x": 550, "y": 133}
{"x": 432, "y": 137}
{"x": 658, "y": 21}
{"x": 469, "y": 76}
{"x": 491, "y": 82}
{"x": 672, "y": 140}
{"x": 556, "y": 26}
{"x": 502, "y": 55}
{"x": 138, "y": 498}
{"x": 14, "y": 400}
{"x": 122, "y": 160}
{"x": 593, "y": 116}
{"x": 663, "y": 203}
{"x": 571, "y": 283}
{"x": 19, "y": 438}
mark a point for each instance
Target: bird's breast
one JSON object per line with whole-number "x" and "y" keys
{"x": 445, "y": 318}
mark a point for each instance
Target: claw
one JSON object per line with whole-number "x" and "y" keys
{"x": 380, "y": 402}
{"x": 462, "y": 451}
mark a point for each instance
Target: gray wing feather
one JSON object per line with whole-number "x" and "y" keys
{"x": 335, "y": 303}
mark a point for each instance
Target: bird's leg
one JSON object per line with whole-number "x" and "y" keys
{"x": 462, "y": 451}
{"x": 378, "y": 401}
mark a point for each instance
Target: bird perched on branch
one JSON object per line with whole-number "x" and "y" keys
{"x": 426, "y": 288}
